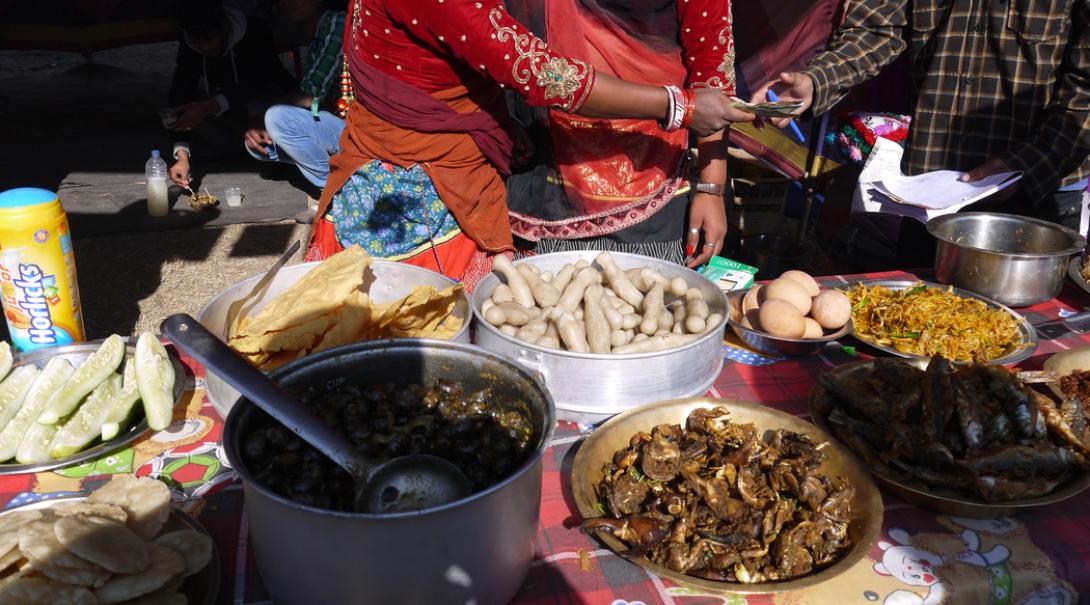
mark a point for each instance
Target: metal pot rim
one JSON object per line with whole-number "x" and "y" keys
{"x": 231, "y": 445}
{"x": 1077, "y": 245}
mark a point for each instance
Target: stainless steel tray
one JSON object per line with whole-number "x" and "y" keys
{"x": 200, "y": 588}
{"x": 1074, "y": 271}
{"x": 76, "y": 354}
{"x": 1022, "y": 352}
{"x": 940, "y": 500}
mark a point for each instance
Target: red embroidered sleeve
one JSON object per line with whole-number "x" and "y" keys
{"x": 707, "y": 43}
{"x": 491, "y": 41}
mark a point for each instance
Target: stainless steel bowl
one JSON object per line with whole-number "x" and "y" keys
{"x": 392, "y": 281}
{"x": 477, "y": 549}
{"x": 586, "y": 386}
{"x": 1015, "y": 260}
{"x": 776, "y": 345}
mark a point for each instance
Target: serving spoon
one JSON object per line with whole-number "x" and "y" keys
{"x": 402, "y": 484}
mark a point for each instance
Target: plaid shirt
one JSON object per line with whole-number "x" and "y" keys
{"x": 1004, "y": 78}
{"x": 323, "y": 58}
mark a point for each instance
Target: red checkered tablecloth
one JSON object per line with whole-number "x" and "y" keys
{"x": 1036, "y": 558}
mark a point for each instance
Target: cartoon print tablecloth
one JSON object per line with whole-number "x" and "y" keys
{"x": 1036, "y": 558}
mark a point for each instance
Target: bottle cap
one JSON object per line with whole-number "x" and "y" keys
{"x": 154, "y": 153}
{"x": 26, "y": 196}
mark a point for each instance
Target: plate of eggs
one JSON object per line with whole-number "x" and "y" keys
{"x": 790, "y": 315}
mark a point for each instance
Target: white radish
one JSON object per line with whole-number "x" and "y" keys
{"x": 617, "y": 338}
{"x": 637, "y": 280}
{"x": 486, "y": 305}
{"x": 547, "y": 276}
{"x": 630, "y": 320}
{"x": 572, "y": 334}
{"x": 579, "y": 313}
{"x": 509, "y": 313}
{"x": 502, "y": 293}
{"x": 652, "y": 308}
{"x": 563, "y": 277}
{"x": 508, "y": 329}
{"x": 581, "y": 264}
{"x": 544, "y": 293}
{"x": 679, "y": 328}
{"x": 638, "y": 338}
{"x": 652, "y": 277}
{"x": 694, "y": 293}
{"x": 551, "y": 331}
{"x": 696, "y": 313}
{"x": 678, "y": 286}
{"x": 613, "y": 316}
{"x": 712, "y": 321}
{"x": 666, "y": 320}
{"x": 532, "y": 332}
{"x": 519, "y": 288}
{"x": 552, "y": 342}
{"x": 618, "y": 281}
{"x": 656, "y": 343}
{"x": 594, "y": 316}
{"x": 573, "y": 294}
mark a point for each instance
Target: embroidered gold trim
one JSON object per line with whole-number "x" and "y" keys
{"x": 726, "y": 39}
{"x": 559, "y": 77}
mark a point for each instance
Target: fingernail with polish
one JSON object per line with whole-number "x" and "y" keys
{"x": 689, "y": 249}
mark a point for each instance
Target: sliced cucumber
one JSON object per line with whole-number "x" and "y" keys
{"x": 155, "y": 381}
{"x": 86, "y": 424}
{"x": 13, "y": 391}
{"x": 5, "y": 359}
{"x": 52, "y": 377}
{"x": 118, "y": 418}
{"x": 95, "y": 369}
{"x": 34, "y": 448}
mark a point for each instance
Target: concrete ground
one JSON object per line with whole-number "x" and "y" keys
{"x": 85, "y": 129}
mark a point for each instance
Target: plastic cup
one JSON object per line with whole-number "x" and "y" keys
{"x": 234, "y": 196}
{"x": 168, "y": 116}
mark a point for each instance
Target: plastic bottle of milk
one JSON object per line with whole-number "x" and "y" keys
{"x": 156, "y": 172}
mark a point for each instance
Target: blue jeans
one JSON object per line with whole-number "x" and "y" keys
{"x": 301, "y": 139}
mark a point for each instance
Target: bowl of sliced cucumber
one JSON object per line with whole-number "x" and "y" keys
{"x": 63, "y": 406}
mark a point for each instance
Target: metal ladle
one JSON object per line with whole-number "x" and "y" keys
{"x": 402, "y": 484}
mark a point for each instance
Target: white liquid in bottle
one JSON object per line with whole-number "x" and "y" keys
{"x": 158, "y": 199}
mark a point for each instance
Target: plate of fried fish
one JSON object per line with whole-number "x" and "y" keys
{"x": 972, "y": 440}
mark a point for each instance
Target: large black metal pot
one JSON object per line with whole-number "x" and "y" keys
{"x": 477, "y": 549}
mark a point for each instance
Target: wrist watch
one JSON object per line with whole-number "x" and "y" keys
{"x": 710, "y": 188}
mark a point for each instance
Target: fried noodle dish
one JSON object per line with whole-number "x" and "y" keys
{"x": 718, "y": 501}
{"x": 932, "y": 321}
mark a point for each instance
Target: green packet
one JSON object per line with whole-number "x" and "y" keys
{"x": 728, "y": 274}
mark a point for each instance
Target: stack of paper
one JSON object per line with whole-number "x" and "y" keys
{"x": 883, "y": 188}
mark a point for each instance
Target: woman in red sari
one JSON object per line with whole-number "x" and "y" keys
{"x": 627, "y": 185}
{"x": 426, "y": 148}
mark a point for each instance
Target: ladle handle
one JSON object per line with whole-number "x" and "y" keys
{"x": 190, "y": 336}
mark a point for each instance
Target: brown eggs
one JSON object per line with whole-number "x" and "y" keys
{"x": 803, "y": 279}
{"x": 831, "y": 309}
{"x": 790, "y": 291}
{"x": 781, "y": 318}
{"x": 793, "y": 306}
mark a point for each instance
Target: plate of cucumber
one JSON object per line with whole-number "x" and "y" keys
{"x": 62, "y": 406}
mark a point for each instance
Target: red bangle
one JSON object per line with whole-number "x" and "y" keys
{"x": 689, "y": 95}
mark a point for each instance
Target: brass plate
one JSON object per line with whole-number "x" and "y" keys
{"x": 937, "y": 499}
{"x": 614, "y": 435}
{"x": 1022, "y": 351}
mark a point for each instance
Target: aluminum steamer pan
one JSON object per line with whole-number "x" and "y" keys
{"x": 588, "y": 386}
{"x": 392, "y": 281}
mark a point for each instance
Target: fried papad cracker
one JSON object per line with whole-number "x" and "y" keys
{"x": 294, "y": 338}
{"x": 322, "y": 290}
{"x": 419, "y": 314}
{"x": 353, "y": 316}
